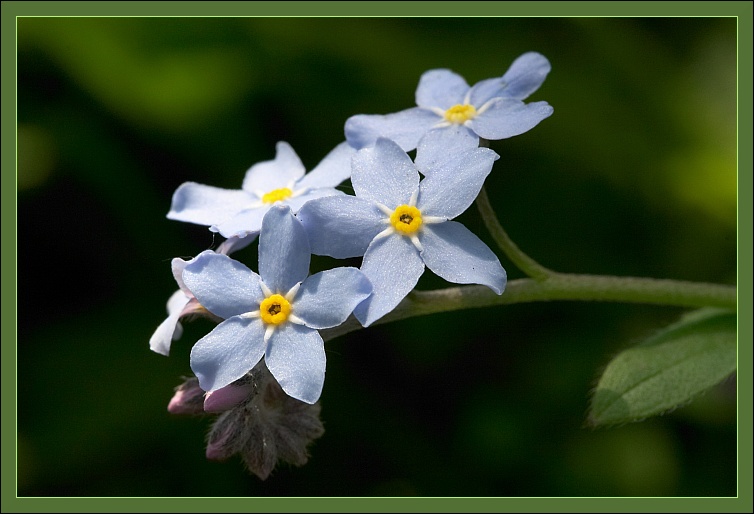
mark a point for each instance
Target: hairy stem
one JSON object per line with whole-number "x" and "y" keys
{"x": 557, "y": 286}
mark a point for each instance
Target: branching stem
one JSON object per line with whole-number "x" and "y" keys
{"x": 557, "y": 286}
{"x": 514, "y": 253}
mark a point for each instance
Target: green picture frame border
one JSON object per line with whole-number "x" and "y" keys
{"x": 12, "y": 10}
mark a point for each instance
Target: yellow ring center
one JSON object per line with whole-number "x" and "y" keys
{"x": 460, "y": 113}
{"x": 406, "y": 219}
{"x": 274, "y": 309}
{"x": 277, "y": 195}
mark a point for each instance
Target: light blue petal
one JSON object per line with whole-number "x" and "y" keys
{"x": 224, "y": 287}
{"x": 441, "y": 88}
{"x": 384, "y": 173}
{"x": 485, "y": 90}
{"x": 245, "y": 223}
{"x": 438, "y": 144}
{"x": 228, "y": 352}
{"x": 296, "y": 203}
{"x": 524, "y": 77}
{"x": 177, "y": 266}
{"x": 206, "y": 205}
{"x": 235, "y": 243}
{"x": 296, "y": 358}
{"x": 332, "y": 170}
{"x": 453, "y": 184}
{"x": 526, "y": 74}
{"x": 507, "y": 117}
{"x": 341, "y": 226}
{"x": 452, "y": 252}
{"x": 405, "y": 127}
{"x": 283, "y": 250}
{"x": 393, "y": 266}
{"x": 280, "y": 172}
{"x": 177, "y": 302}
{"x": 326, "y": 299}
{"x": 163, "y": 336}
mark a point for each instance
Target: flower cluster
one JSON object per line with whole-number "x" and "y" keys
{"x": 399, "y": 220}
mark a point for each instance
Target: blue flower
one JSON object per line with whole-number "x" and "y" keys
{"x": 182, "y": 303}
{"x": 491, "y": 109}
{"x": 400, "y": 225}
{"x": 275, "y": 314}
{"x": 282, "y": 180}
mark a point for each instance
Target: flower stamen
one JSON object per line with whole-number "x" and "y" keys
{"x": 277, "y": 195}
{"x": 406, "y": 219}
{"x": 460, "y": 114}
{"x": 274, "y": 309}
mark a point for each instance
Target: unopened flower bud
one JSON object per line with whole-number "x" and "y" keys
{"x": 227, "y": 397}
{"x": 224, "y": 436}
{"x": 268, "y": 427}
{"x": 188, "y": 398}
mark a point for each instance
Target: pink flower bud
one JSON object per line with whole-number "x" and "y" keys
{"x": 226, "y": 397}
{"x": 188, "y": 398}
{"x": 224, "y": 440}
{"x": 261, "y": 424}
{"x": 219, "y": 449}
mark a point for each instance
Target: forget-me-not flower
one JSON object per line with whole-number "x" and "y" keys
{"x": 182, "y": 303}
{"x": 400, "y": 225}
{"x": 275, "y": 314}
{"x": 491, "y": 109}
{"x": 282, "y": 180}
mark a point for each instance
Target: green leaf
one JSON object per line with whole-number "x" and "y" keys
{"x": 668, "y": 369}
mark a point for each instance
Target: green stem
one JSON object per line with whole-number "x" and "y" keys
{"x": 558, "y": 286}
{"x": 519, "y": 258}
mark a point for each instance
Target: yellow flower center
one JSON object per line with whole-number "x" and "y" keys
{"x": 276, "y": 195}
{"x": 460, "y": 113}
{"x": 406, "y": 219}
{"x": 274, "y": 309}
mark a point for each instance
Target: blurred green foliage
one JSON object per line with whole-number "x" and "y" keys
{"x": 634, "y": 174}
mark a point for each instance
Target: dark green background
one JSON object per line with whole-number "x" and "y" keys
{"x": 634, "y": 174}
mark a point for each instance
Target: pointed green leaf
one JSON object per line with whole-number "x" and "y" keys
{"x": 668, "y": 369}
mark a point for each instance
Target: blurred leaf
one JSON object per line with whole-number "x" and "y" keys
{"x": 668, "y": 369}
{"x": 173, "y": 87}
{"x": 37, "y": 155}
